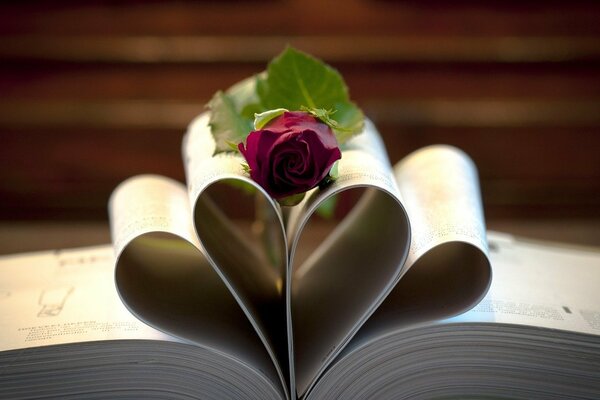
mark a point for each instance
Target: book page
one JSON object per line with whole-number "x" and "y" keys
{"x": 535, "y": 283}
{"x": 149, "y": 203}
{"x": 540, "y": 284}
{"x": 366, "y": 250}
{"x": 440, "y": 187}
{"x": 449, "y": 269}
{"x": 65, "y": 296}
{"x": 251, "y": 267}
{"x": 163, "y": 274}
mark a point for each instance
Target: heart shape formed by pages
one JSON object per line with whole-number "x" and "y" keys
{"x": 186, "y": 265}
{"x": 257, "y": 295}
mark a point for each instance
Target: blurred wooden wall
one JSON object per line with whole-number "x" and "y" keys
{"x": 94, "y": 92}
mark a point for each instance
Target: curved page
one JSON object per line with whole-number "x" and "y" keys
{"x": 449, "y": 267}
{"x": 164, "y": 278}
{"x": 250, "y": 265}
{"x": 344, "y": 280}
{"x": 265, "y": 277}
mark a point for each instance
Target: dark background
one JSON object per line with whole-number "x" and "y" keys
{"x": 94, "y": 92}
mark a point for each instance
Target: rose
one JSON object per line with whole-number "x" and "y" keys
{"x": 293, "y": 153}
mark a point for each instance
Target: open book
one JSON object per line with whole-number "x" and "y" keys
{"x": 210, "y": 308}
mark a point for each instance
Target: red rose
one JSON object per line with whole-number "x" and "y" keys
{"x": 291, "y": 154}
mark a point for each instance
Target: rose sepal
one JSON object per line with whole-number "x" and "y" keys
{"x": 263, "y": 118}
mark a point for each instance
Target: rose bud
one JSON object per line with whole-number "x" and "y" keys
{"x": 291, "y": 154}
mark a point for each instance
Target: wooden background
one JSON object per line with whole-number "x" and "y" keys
{"x": 94, "y": 92}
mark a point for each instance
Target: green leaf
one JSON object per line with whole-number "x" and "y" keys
{"x": 334, "y": 172}
{"x": 232, "y": 113}
{"x": 295, "y": 80}
{"x": 351, "y": 121}
{"x": 226, "y": 124}
{"x": 233, "y": 146}
{"x": 263, "y": 118}
{"x": 244, "y": 97}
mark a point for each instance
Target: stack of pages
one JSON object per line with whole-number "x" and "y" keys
{"x": 536, "y": 335}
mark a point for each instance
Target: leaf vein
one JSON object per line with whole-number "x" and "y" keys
{"x": 303, "y": 89}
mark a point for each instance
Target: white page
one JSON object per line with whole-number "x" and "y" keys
{"x": 449, "y": 268}
{"x": 253, "y": 278}
{"x": 440, "y": 188}
{"x": 532, "y": 283}
{"x": 154, "y": 237}
{"x": 149, "y": 203}
{"x": 67, "y": 296}
{"x": 541, "y": 284}
{"x": 233, "y": 250}
{"x": 366, "y": 250}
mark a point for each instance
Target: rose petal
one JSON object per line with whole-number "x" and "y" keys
{"x": 323, "y": 157}
{"x": 257, "y": 144}
{"x": 283, "y": 174}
